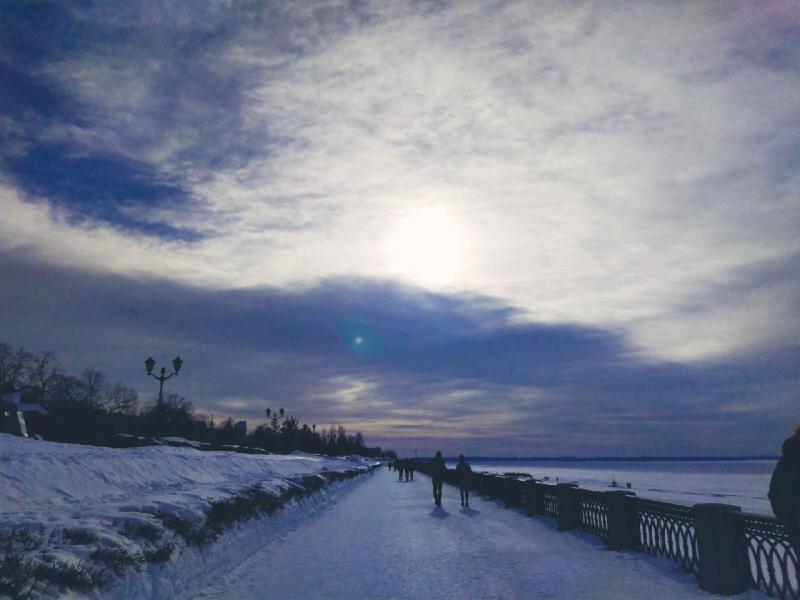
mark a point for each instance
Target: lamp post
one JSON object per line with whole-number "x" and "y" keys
{"x": 150, "y": 363}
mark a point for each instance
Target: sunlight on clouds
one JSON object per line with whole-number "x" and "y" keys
{"x": 554, "y": 157}
{"x": 427, "y": 247}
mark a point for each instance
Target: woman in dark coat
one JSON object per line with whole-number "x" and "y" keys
{"x": 464, "y": 479}
{"x": 784, "y": 489}
{"x": 438, "y": 469}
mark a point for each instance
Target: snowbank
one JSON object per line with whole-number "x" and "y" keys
{"x": 77, "y": 499}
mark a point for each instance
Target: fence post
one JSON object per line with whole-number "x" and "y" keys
{"x": 497, "y": 487}
{"x": 623, "y": 522}
{"x": 717, "y": 528}
{"x": 511, "y": 492}
{"x": 568, "y": 510}
{"x": 533, "y": 498}
{"x": 485, "y": 485}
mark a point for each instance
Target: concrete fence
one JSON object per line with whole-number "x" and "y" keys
{"x": 727, "y": 550}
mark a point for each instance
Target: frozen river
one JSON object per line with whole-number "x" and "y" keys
{"x": 741, "y": 482}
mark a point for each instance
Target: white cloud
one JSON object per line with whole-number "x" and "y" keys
{"x": 609, "y": 165}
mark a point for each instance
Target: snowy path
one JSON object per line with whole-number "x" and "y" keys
{"x": 383, "y": 539}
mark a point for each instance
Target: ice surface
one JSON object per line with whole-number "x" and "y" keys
{"x": 742, "y": 482}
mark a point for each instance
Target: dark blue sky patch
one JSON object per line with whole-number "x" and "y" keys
{"x": 30, "y": 32}
{"x": 98, "y": 187}
{"x": 24, "y": 93}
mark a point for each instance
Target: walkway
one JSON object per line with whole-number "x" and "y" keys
{"x": 384, "y": 539}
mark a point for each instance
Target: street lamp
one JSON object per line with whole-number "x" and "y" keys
{"x": 176, "y": 366}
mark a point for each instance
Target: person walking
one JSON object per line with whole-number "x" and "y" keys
{"x": 464, "y": 479}
{"x": 438, "y": 469}
{"x": 407, "y": 468}
{"x": 411, "y": 467}
{"x": 784, "y": 489}
{"x": 400, "y": 468}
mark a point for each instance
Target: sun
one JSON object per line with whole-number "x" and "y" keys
{"x": 427, "y": 246}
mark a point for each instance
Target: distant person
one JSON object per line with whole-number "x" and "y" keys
{"x": 438, "y": 470}
{"x": 410, "y": 468}
{"x": 784, "y": 489}
{"x": 400, "y": 469}
{"x": 464, "y": 479}
{"x": 407, "y": 468}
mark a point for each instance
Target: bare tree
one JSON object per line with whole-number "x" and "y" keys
{"x": 14, "y": 366}
{"x": 93, "y": 384}
{"x": 119, "y": 399}
{"x": 43, "y": 373}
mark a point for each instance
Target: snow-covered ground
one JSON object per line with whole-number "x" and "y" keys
{"x": 741, "y": 482}
{"x": 369, "y": 537}
{"x": 380, "y": 538}
{"x": 77, "y": 498}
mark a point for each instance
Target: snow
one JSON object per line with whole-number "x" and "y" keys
{"x": 368, "y": 537}
{"x": 380, "y": 538}
{"x": 47, "y": 487}
{"x": 743, "y": 483}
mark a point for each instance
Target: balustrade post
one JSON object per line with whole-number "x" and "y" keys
{"x": 718, "y": 529}
{"x": 535, "y": 498}
{"x": 568, "y": 509}
{"x": 623, "y": 521}
{"x": 497, "y": 487}
{"x": 510, "y": 492}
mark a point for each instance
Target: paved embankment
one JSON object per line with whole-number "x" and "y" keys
{"x": 384, "y": 539}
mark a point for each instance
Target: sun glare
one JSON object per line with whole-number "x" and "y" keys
{"x": 427, "y": 246}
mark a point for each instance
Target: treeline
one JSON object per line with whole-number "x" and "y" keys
{"x": 90, "y": 409}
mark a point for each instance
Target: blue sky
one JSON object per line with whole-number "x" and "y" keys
{"x": 498, "y": 227}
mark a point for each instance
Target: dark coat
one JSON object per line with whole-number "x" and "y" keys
{"x": 463, "y": 474}
{"x": 438, "y": 468}
{"x": 784, "y": 487}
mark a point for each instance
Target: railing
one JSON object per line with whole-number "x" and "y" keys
{"x": 767, "y": 556}
{"x": 727, "y": 550}
{"x": 593, "y": 512}
{"x": 668, "y": 530}
{"x": 550, "y": 500}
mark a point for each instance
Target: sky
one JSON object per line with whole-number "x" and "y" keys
{"x": 498, "y": 228}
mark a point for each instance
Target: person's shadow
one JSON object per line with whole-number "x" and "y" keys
{"x": 439, "y": 513}
{"x": 470, "y": 512}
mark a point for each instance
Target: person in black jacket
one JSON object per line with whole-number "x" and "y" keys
{"x": 464, "y": 479}
{"x": 438, "y": 469}
{"x": 784, "y": 489}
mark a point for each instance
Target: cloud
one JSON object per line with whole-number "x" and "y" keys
{"x": 507, "y": 203}
{"x": 607, "y": 165}
{"x": 447, "y": 370}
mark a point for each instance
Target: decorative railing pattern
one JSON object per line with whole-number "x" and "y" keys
{"x": 767, "y": 555}
{"x": 550, "y": 501}
{"x": 593, "y": 512}
{"x": 762, "y": 545}
{"x": 668, "y": 529}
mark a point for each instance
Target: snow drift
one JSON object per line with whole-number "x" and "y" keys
{"x": 106, "y": 510}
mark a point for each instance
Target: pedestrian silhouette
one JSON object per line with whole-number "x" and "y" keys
{"x": 784, "y": 489}
{"x": 400, "y": 469}
{"x": 411, "y": 467}
{"x": 464, "y": 479}
{"x": 438, "y": 470}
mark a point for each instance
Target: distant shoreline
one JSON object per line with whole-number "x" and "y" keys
{"x": 616, "y": 458}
